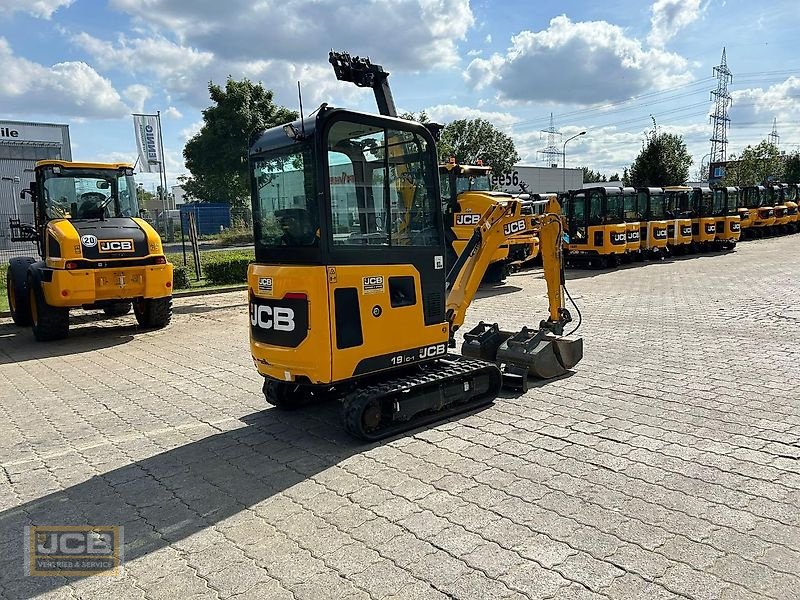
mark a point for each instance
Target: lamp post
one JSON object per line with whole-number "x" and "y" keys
{"x": 564, "y": 157}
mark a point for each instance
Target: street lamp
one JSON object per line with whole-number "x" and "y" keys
{"x": 564, "y": 156}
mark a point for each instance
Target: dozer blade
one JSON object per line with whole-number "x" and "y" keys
{"x": 528, "y": 353}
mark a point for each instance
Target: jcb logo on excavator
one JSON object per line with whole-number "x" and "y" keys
{"x": 467, "y": 218}
{"x": 617, "y": 238}
{"x": 432, "y": 351}
{"x": 659, "y": 233}
{"x": 272, "y": 317}
{"x": 633, "y": 236}
{"x": 711, "y": 228}
{"x": 736, "y": 226}
{"x": 282, "y": 322}
{"x": 108, "y": 246}
{"x": 515, "y": 227}
{"x": 686, "y": 230}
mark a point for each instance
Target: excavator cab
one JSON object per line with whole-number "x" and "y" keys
{"x": 679, "y": 223}
{"x": 353, "y": 301}
{"x": 726, "y": 213}
{"x": 776, "y": 193}
{"x": 653, "y": 226}
{"x": 704, "y": 224}
{"x": 762, "y": 213}
{"x": 791, "y": 200}
{"x": 596, "y": 227}
{"x": 632, "y": 215}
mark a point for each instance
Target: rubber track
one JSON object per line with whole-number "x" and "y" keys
{"x": 437, "y": 372}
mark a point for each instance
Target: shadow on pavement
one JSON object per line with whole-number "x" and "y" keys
{"x": 583, "y": 273}
{"x": 202, "y": 308}
{"x": 17, "y": 344}
{"x": 496, "y": 290}
{"x": 170, "y": 496}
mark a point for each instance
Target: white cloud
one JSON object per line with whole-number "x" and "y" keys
{"x": 42, "y": 9}
{"x": 668, "y": 17}
{"x": 191, "y": 130}
{"x": 408, "y": 34}
{"x": 444, "y": 113}
{"x": 577, "y": 62}
{"x": 137, "y": 94}
{"x": 69, "y": 89}
{"x": 488, "y": 38}
{"x": 173, "y": 113}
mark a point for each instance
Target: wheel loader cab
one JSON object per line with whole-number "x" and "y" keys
{"x": 349, "y": 248}
{"x": 726, "y": 215}
{"x": 704, "y": 224}
{"x": 679, "y": 223}
{"x": 653, "y": 227}
{"x": 596, "y": 228}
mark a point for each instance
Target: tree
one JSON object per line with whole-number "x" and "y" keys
{"x": 217, "y": 155}
{"x": 470, "y": 140}
{"x": 663, "y": 161}
{"x": 590, "y": 176}
{"x": 791, "y": 173}
{"x": 614, "y": 177}
{"x": 420, "y": 117}
{"x": 756, "y": 164}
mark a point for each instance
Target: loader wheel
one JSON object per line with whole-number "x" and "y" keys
{"x": 17, "y": 290}
{"x": 286, "y": 396}
{"x": 153, "y": 313}
{"x": 49, "y": 323}
{"x": 118, "y": 309}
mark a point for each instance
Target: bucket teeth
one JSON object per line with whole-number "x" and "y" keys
{"x": 528, "y": 353}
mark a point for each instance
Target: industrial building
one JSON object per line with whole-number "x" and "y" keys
{"x": 539, "y": 179}
{"x": 22, "y": 143}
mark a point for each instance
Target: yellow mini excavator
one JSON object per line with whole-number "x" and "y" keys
{"x": 466, "y": 195}
{"x": 349, "y": 296}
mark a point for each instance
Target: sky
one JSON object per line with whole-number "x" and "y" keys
{"x": 608, "y": 68}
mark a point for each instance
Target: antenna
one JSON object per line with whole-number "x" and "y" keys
{"x": 302, "y": 121}
{"x": 550, "y": 153}
{"x": 720, "y": 119}
{"x": 773, "y": 138}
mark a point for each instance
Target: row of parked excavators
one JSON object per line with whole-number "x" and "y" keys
{"x": 609, "y": 225}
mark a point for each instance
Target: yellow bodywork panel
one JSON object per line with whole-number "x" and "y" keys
{"x": 679, "y": 232}
{"x": 654, "y": 235}
{"x": 613, "y": 240}
{"x": 87, "y": 286}
{"x": 633, "y": 240}
{"x": 704, "y": 230}
{"x": 82, "y": 165}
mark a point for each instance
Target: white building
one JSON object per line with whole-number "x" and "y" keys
{"x": 23, "y": 143}
{"x": 539, "y": 179}
{"x": 178, "y": 195}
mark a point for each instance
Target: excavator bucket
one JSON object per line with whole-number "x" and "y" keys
{"x": 528, "y": 353}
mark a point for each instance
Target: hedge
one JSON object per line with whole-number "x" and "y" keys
{"x": 180, "y": 277}
{"x": 231, "y": 268}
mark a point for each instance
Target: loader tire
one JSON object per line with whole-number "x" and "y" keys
{"x": 118, "y": 309}
{"x": 153, "y": 313}
{"x": 17, "y": 290}
{"x": 49, "y": 323}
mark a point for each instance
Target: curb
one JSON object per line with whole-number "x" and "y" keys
{"x": 179, "y": 294}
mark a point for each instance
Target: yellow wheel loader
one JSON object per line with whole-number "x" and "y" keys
{"x": 94, "y": 251}
{"x": 596, "y": 228}
{"x": 366, "y": 313}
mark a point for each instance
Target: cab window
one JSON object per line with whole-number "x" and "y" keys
{"x": 596, "y": 207}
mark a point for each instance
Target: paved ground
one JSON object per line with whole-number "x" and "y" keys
{"x": 665, "y": 467}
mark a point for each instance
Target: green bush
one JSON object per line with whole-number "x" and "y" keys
{"x": 180, "y": 277}
{"x": 221, "y": 268}
{"x": 236, "y": 237}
